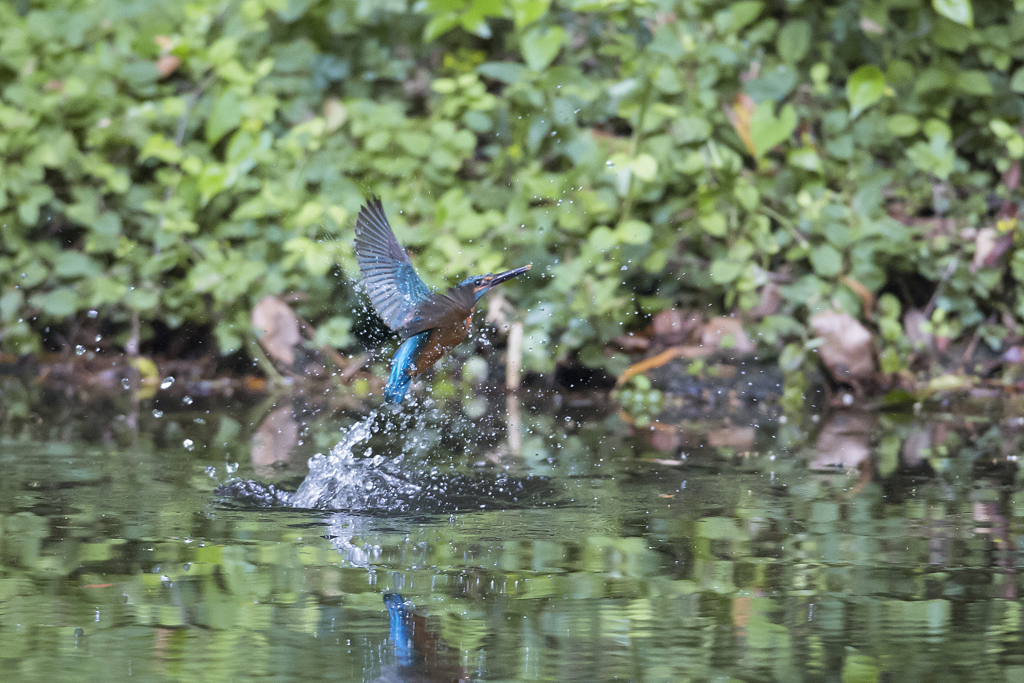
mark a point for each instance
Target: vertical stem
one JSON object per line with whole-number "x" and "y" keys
{"x": 514, "y": 357}
{"x": 634, "y": 145}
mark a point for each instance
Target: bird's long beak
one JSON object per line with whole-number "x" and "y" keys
{"x": 509, "y": 274}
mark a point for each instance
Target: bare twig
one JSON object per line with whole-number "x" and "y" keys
{"x": 514, "y": 357}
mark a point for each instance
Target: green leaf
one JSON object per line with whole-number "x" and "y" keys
{"x": 602, "y": 239}
{"x": 225, "y": 115}
{"x": 645, "y": 167}
{"x": 212, "y": 180}
{"x": 1001, "y": 128}
{"x": 10, "y": 303}
{"x": 633, "y": 232}
{"x": 714, "y": 224}
{"x": 506, "y": 72}
{"x": 59, "y": 303}
{"x": 724, "y": 271}
{"x": 902, "y": 125}
{"x": 959, "y": 11}
{"x": 935, "y": 156}
{"x": 826, "y": 260}
{"x": 768, "y": 130}
{"x": 865, "y": 87}
{"x": 1017, "y": 82}
{"x": 540, "y": 46}
{"x": 744, "y": 12}
{"x": 414, "y": 142}
{"x": 75, "y": 264}
{"x": 142, "y": 300}
{"x": 336, "y": 331}
{"x": 974, "y": 82}
{"x": 525, "y": 12}
{"x": 160, "y": 148}
{"x": 794, "y": 41}
{"x": 806, "y": 158}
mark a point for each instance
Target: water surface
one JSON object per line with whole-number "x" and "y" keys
{"x": 835, "y": 547}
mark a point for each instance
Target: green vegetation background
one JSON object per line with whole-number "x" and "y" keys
{"x": 175, "y": 162}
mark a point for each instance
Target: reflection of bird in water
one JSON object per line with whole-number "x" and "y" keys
{"x": 422, "y": 656}
{"x": 431, "y": 323}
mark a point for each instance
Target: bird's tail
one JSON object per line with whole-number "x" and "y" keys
{"x": 397, "y": 387}
{"x": 401, "y": 633}
{"x": 401, "y": 366}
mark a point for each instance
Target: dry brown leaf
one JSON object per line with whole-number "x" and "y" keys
{"x": 847, "y": 349}
{"x": 277, "y": 329}
{"x": 672, "y": 327}
{"x": 740, "y": 115}
{"x": 726, "y": 333}
{"x": 167, "y": 65}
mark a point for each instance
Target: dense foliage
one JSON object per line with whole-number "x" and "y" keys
{"x": 174, "y": 162}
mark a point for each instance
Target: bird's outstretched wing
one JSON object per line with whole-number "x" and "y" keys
{"x": 394, "y": 288}
{"x": 441, "y": 310}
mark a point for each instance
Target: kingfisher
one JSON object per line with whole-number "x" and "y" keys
{"x": 431, "y": 323}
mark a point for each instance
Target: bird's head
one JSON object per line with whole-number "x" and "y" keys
{"x": 480, "y": 284}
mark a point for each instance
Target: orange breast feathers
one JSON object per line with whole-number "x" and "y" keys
{"x": 441, "y": 341}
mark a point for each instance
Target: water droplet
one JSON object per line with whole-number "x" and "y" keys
{"x": 187, "y": 400}
{"x": 188, "y": 444}
{"x": 166, "y": 384}
{"x": 79, "y": 350}
{"x": 93, "y": 313}
{"x": 158, "y": 414}
{"x": 231, "y": 467}
{"x": 211, "y": 471}
{"x": 126, "y": 384}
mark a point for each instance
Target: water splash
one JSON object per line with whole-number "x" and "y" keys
{"x": 342, "y": 481}
{"x": 402, "y": 477}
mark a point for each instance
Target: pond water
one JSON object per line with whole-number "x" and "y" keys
{"x": 573, "y": 547}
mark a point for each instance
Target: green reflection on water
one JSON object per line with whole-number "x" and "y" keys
{"x": 864, "y": 548}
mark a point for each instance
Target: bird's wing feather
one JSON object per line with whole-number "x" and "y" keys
{"x": 442, "y": 309}
{"x": 394, "y": 288}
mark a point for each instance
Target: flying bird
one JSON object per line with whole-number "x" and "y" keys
{"x": 431, "y": 323}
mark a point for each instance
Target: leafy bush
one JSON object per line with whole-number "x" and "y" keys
{"x": 175, "y": 162}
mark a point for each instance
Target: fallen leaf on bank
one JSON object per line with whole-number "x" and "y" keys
{"x": 989, "y": 247}
{"x": 673, "y": 327}
{"x": 847, "y": 349}
{"x": 633, "y": 343}
{"x": 726, "y": 333}
{"x": 277, "y": 329}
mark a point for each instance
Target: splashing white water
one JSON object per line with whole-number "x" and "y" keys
{"x": 341, "y": 481}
